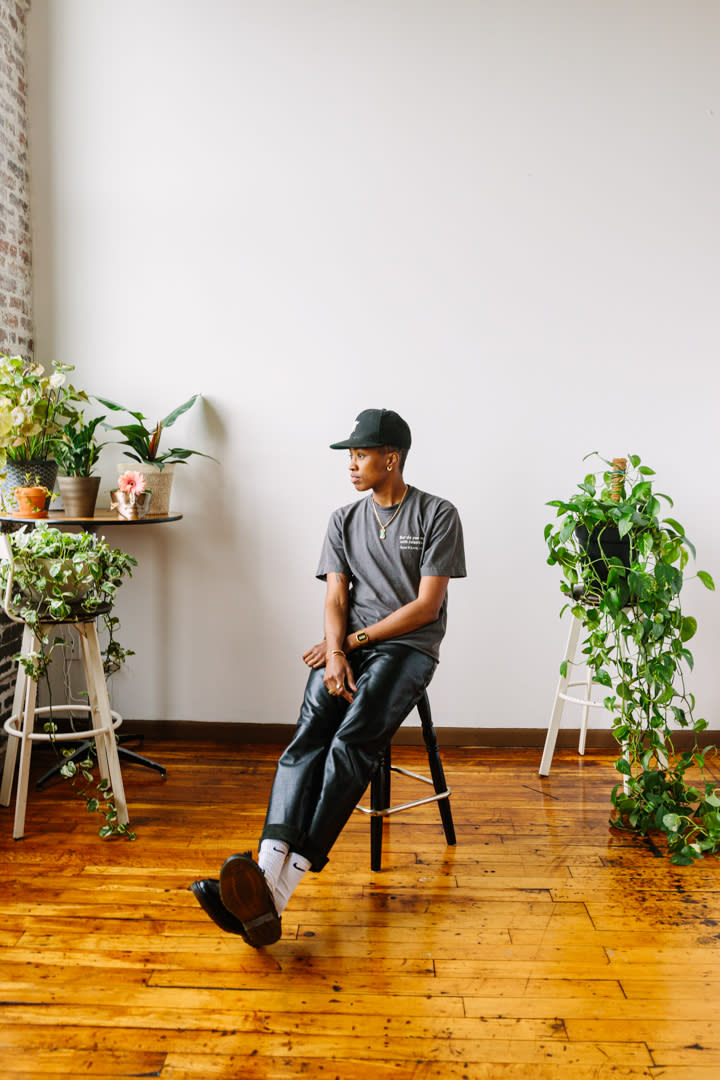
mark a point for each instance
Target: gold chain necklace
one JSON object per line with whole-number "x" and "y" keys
{"x": 390, "y": 520}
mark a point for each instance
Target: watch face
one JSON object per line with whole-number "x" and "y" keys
{"x": 362, "y": 636}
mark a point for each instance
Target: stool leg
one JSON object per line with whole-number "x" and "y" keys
{"x": 379, "y": 800}
{"x": 557, "y": 710}
{"x": 436, "y": 767}
{"x": 98, "y": 720}
{"x": 108, "y": 760}
{"x": 585, "y": 712}
{"x": 11, "y": 747}
{"x": 624, "y": 745}
{"x": 28, "y": 724}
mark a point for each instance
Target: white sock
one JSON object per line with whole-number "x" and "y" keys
{"x": 271, "y": 859}
{"x": 294, "y": 870}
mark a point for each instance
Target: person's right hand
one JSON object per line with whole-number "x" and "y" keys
{"x": 315, "y": 656}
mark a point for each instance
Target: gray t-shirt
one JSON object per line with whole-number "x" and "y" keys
{"x": 424, "y": 540}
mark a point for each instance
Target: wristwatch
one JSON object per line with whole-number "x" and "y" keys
{"x": 361, "y": 637}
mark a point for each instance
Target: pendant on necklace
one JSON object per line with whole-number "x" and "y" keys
{"x": 382, "y": 533}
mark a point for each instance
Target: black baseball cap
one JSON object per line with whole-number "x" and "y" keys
{"x": 377, "y": 427}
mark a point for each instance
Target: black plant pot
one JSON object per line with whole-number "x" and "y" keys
{"x": 601, "y": 545}
{"x": 45, "y": 470}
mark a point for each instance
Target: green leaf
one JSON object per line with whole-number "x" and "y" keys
{"x": 566, "y": 531}
{"x": 688, "y": 627}
{"x": 625, "y": 524}
{"x": 172, "y": 416}
{"x": 671, "y": 822}
{"x": 706, "y": 579}
{"x": 121, "y": 408}
{"x": 674, "y": 525}
{"x": 641, "y": 491}
{"x": 669, "y": 576}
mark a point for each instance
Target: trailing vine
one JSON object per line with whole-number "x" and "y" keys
{"x": 623, "y": 567}
{"x": 98, "y": 794}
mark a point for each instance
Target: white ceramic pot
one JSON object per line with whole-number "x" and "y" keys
{"x": 158, "y": 481}
{"x": 131, "y": 506}
{"x": 74, "y": 588}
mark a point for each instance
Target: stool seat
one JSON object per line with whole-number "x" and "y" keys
{"x": 380, "y": 806}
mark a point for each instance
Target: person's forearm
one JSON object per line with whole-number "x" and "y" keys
{"x": 402, "y": 621}
{"x": 335, "y": 623}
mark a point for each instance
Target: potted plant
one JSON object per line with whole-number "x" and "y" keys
{"x": 34, "y": 407}
{"x": 144, "y": 443}
{"x": 636, "y": 646}
{"x": 54, "y": 570}
{"x": 31, "y": 498}
{"x": 56, "y": 575}
{"x": 77, "y": 454}
{"x": 132, "y": 498}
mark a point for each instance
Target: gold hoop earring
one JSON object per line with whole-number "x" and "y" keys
{"x": 389, "y": 468}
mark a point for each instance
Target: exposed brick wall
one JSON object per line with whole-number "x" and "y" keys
{"x": 15, "y": 254}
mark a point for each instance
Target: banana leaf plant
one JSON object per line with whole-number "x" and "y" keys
{"x": 144, "y": 441}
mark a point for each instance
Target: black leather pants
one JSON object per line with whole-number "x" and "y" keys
{"x": 337, "y": 746}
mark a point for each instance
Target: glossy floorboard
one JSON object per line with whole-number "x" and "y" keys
{"x": 545, "y": 945}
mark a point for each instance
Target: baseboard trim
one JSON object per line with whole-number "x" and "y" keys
{"x": 493, "y": 738}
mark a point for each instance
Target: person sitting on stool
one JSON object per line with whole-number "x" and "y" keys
{"x": 386, "y": 561}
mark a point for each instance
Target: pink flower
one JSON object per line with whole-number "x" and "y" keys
{"x": 132, "y": 483}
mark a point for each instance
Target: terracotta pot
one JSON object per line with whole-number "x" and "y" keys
{"x": 129, "y": 505}
{"x": 31, "y": 502}
{"x": 79, "y": 494}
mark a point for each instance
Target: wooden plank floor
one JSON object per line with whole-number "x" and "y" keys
{"x": 544, "y": 945}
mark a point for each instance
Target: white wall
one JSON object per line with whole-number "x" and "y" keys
{"x": 499, "y": 218}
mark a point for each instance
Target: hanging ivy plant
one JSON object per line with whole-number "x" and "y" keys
{"x": 624, "y": 565}
{"x": 61, "y": 576}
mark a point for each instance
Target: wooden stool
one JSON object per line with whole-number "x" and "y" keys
{"x": 562, "y": 695}
{"x": 103, "y": 721}
{"x": 380, "y": 788}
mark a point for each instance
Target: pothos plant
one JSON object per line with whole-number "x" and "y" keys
{"x": 636, "y": 645}
{"x": 58, "y": 576}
